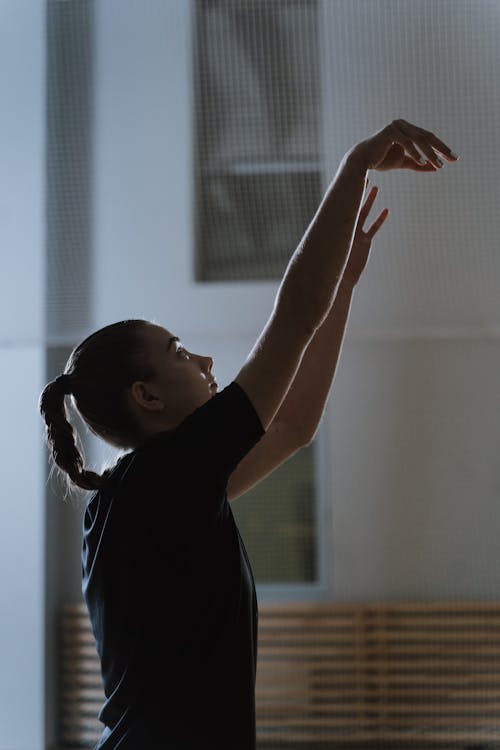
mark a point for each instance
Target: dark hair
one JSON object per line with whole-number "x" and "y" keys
{"x": 96, "y": 375}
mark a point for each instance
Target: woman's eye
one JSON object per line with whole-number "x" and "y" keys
{"x": 182, "y": 353}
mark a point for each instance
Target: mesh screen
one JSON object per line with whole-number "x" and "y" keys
{"x": 258, "y": 131}
{"x": 280, "y": 89}
{"x": 68, "y": 154}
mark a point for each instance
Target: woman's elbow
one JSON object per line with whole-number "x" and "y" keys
{"x": 306, "y": 439}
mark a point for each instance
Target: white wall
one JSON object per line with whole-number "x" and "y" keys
{"x": 415, "y": 436}
{"x": 22, "y": 371}
{"x": 436, "y": 268}
{"x": 414, "y": 417}
{"x": 143, "y": 240}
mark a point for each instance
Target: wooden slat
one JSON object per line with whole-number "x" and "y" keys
{"x": 342, "y": 695}
{"x": 351, "y": 673}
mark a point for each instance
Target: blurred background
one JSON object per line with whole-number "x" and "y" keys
{"x": 161, "y": 159}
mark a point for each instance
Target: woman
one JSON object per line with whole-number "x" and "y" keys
{"x": 166, "y": 578}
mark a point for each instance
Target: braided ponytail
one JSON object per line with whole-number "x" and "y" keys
{"x": 97, "y": 376}
{"x": 61, "y": 437}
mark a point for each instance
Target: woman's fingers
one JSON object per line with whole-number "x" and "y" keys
{"x": 370, "y": 233}
{"x": 405, "y": 137}
{"x": 436, "y": 143}
{"x": 402, "y": 145}
{"x": 365, "y": 210}
{"x": 427, "y": 142}
{"x": 368, "y": 202}
{"x": 410, "y": 163}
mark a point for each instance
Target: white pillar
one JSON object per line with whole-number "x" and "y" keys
{"x": 22, "y": 518}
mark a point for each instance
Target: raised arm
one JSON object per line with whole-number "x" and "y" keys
{"x": 305, "y": 402}
{"x": 311, "y": 279}
{"x": 298, "y": 417}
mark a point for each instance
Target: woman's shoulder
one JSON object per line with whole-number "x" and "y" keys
{"x": 229, "y": 407}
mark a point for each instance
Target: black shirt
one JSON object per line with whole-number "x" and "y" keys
{"x": 169, "y": 587}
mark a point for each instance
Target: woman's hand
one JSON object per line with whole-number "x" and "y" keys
{"x": 401, "y": 145}
{"x": 362, "y": 241}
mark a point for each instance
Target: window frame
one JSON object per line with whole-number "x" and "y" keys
{"x": 321, "y": 588}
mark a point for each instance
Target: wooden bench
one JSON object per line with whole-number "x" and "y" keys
{"x": 342, "y": 675}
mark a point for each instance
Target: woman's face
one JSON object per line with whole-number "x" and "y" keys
{"x": 182, "y": 380}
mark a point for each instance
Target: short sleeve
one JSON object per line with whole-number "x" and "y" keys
{"x": 208, "y": 444}
{"x": 221, "y": 432}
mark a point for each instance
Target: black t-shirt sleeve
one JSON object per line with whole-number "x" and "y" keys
{"x": 221, "y": 432}
{"x": 196, "y": 459}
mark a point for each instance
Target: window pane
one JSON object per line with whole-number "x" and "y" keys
{"x": 250, "y": 224}
{"x": 277, "y": 522}
{"x": 257, "y": 131}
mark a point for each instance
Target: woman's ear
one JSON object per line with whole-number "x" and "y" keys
{"x": 145, "y": 396}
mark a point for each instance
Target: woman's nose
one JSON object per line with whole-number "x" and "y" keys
{"x": 207, "y": 363}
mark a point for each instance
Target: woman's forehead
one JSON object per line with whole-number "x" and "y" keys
{"x": 161, "y": 336}
{"x": 159, "y": 331}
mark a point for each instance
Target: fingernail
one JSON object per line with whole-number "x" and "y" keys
{"x": 439, "y": 161}
{"x": 454, "y": 155}
{"x": 421, "y": 160}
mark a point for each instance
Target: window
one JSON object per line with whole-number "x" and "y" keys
{"x": 277, "y": 519}
{"x": 257, "y": 133}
